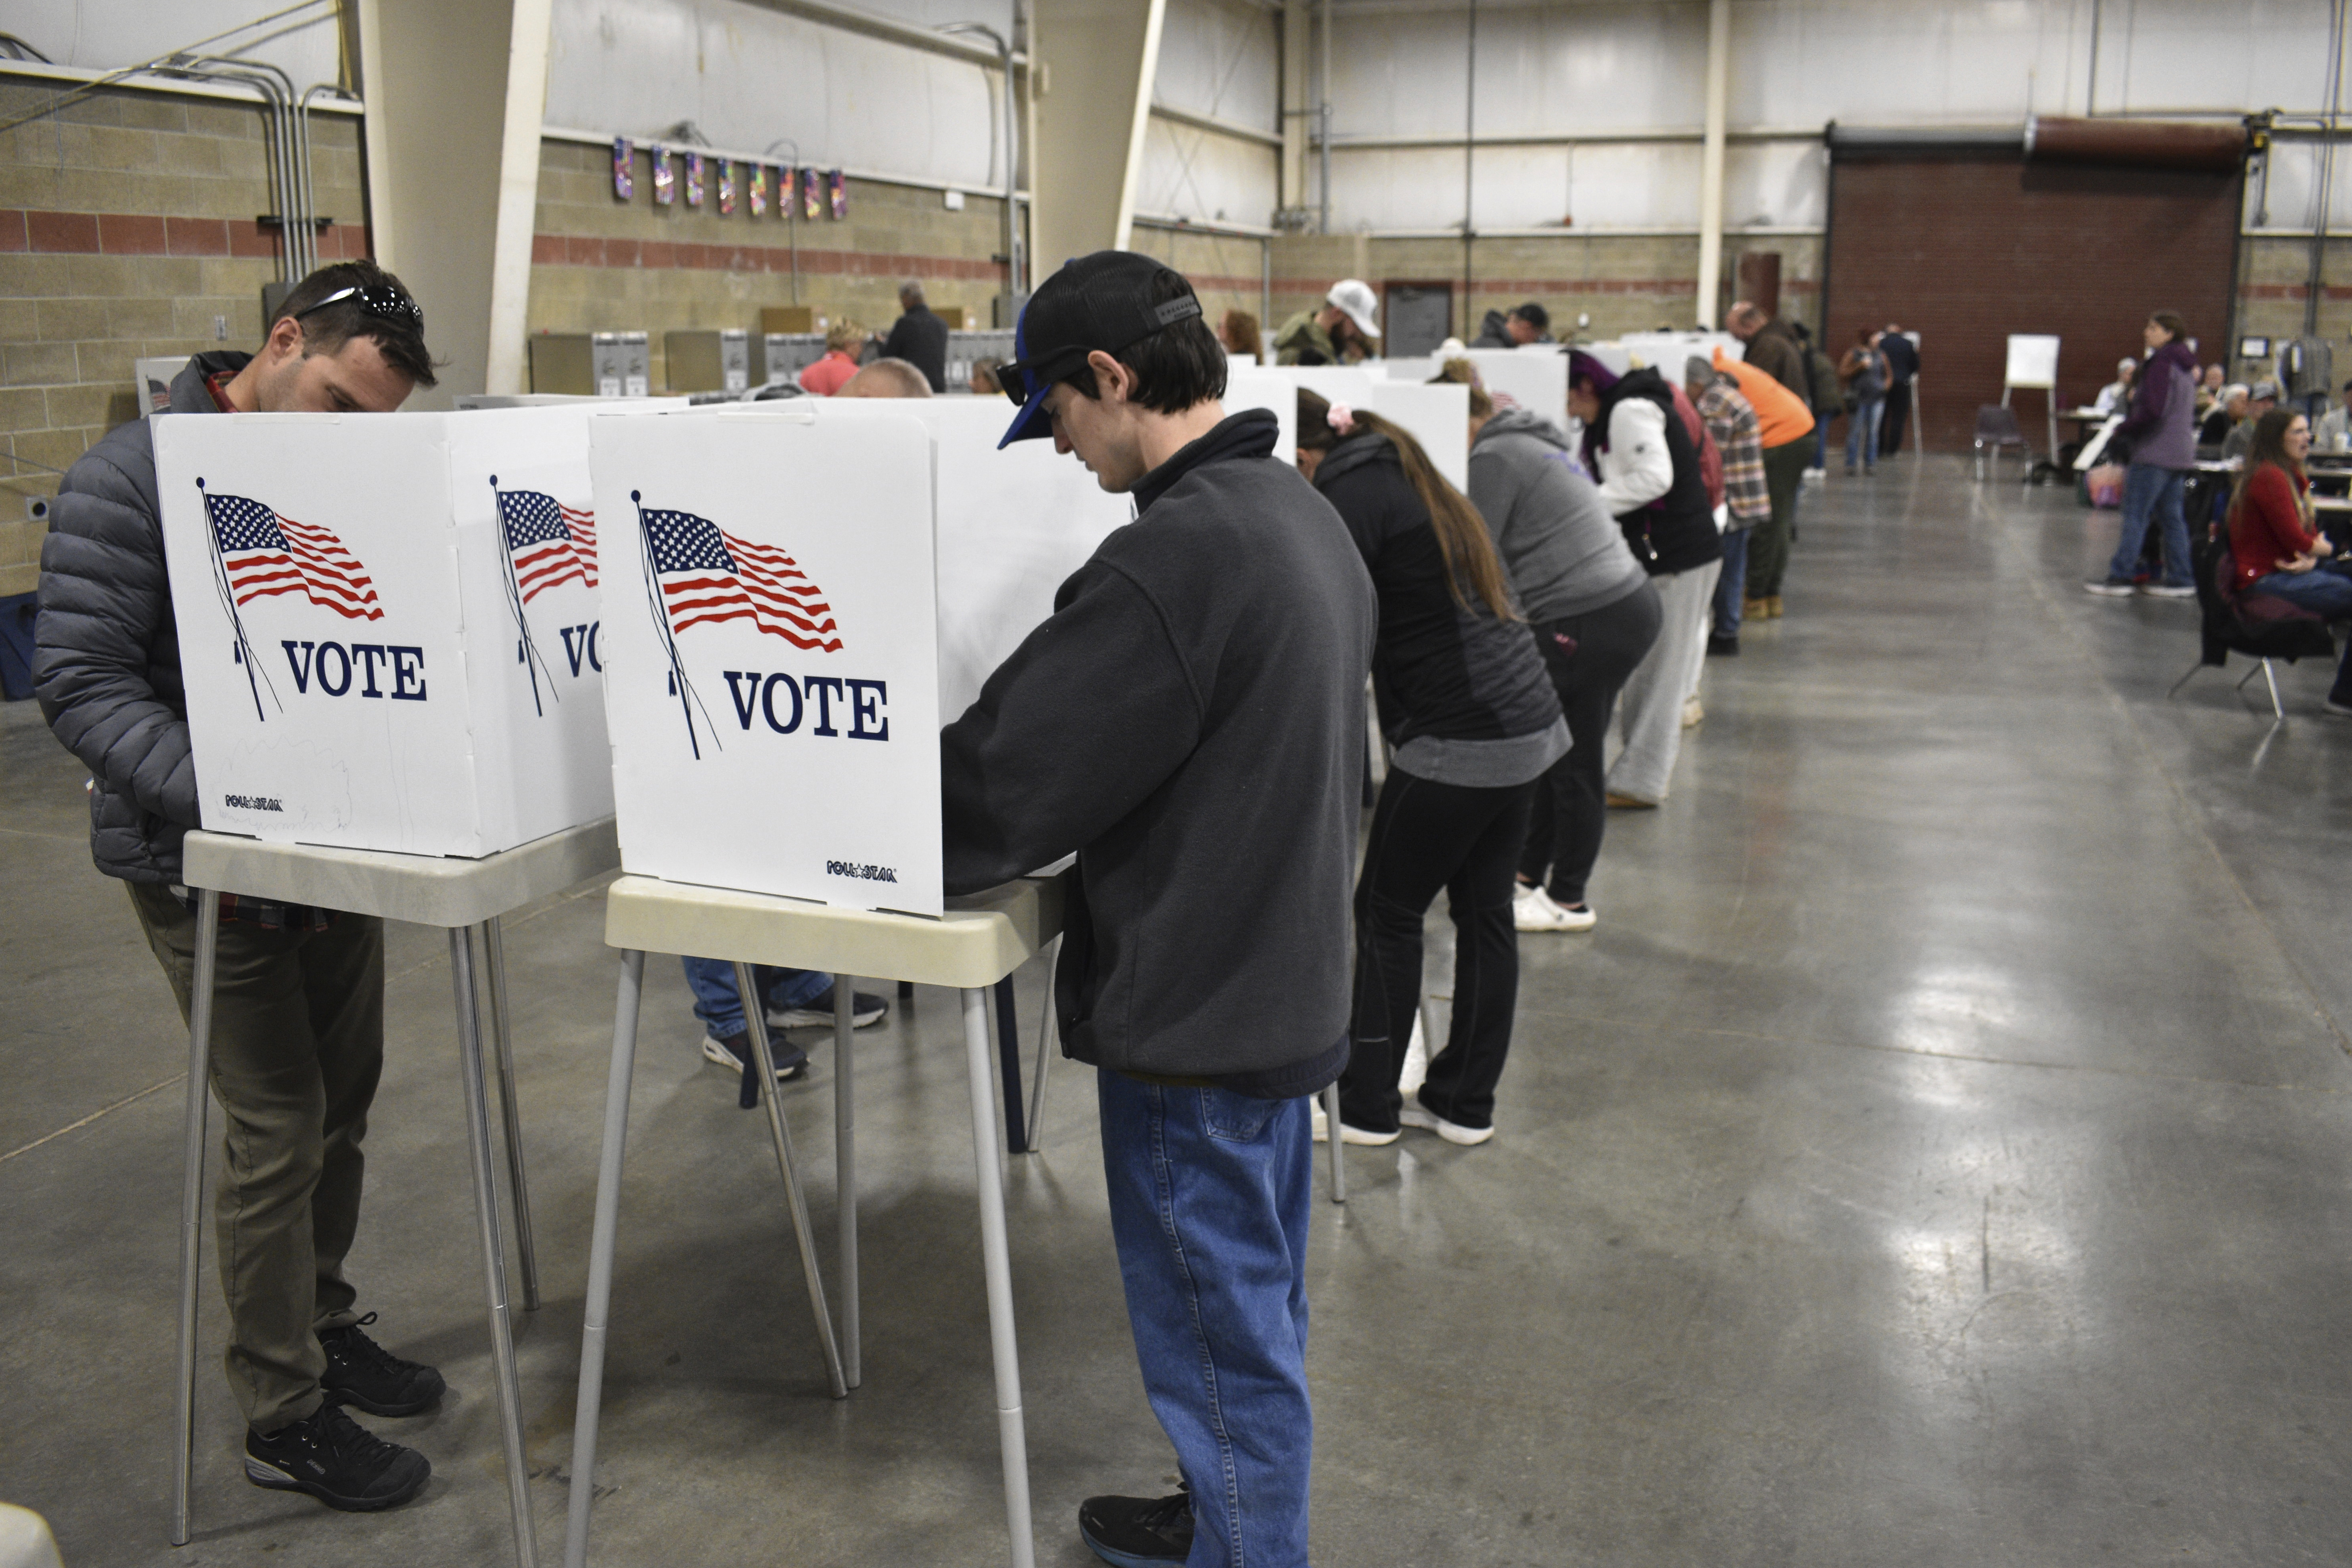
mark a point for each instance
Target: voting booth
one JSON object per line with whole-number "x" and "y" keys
{"x": 389, "y": 626}
{"x": 774, "y": 694}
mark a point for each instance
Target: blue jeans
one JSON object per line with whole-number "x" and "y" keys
{"x": 2149, "y": 489}
{"x": 721, "y": 1010}
{"x": 1731, "y": 587}
{"x": 1210, "y": 1194}
{"x": 1862, "y": 432}
{"x": 2325, "y": 590}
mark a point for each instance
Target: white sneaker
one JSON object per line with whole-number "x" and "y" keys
{"x": 1533, "y": 908}
{"x": 1416, "y": 1060}
{"x": 1322, "y": 1126}
{"x": 1412, "y": 1115}
{"x": 1693, "y": 714}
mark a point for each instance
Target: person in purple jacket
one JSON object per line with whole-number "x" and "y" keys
{"x": 2161, "y": 434}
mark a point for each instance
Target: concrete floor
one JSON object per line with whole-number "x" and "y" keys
{"x": 1939, "y": 1155}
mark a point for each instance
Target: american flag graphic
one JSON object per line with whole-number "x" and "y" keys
{"x": 551, "y": 543}
{"x": 264, "y": 553}
{"x": 708, "y": 575}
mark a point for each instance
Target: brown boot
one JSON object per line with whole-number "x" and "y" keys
{"x": 1758, "y": 609}
{"x": 1772, "y": 606}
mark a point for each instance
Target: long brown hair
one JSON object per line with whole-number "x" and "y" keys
{"x": 2268, "y": 450}
{"x": 1462, "y": 537}
{"x": 1240, "y": 334}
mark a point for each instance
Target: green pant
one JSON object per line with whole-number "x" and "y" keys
{"x": 297, "y": 1048}
{"x": 1767, "y": 548}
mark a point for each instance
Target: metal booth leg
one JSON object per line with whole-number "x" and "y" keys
{"x": 494, "y": 1262}
{"x": 600, "y": 1257}
{"x": 996, "y": 1261}
{"x": 1008, "y": 1051}
{"x": 1338, "y": 1161}
{"x": 764, "y": 1075}
{"x": 1045, "y": 1052}
{"x": 494, "y": 958}
{"x": 192, "y": 1198}
{"x": 845, "y": 1166}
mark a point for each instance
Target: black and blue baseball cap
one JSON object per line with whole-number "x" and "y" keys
{"x": 1101, "y": 301}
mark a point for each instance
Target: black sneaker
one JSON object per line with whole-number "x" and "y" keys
{"x": 864, "y": 1012}
{"x": 1722, "y": 647}
{"x": 1136, "y": 1532}
{"x": 735, "y": 1050}
{"x": 363, "y": 1373}
{"x": 336, "y": 1460}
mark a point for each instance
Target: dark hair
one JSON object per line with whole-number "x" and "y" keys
{"x": 1462, "y": 538}
{"x": 325, "y": 331}
{"x": 2171, "y": 323}
{"x": 1534, "y": 315}
{"x": 1176, "y": 368}
{"x": 2268, "y": 450}
{"x": 1241, "y": 333}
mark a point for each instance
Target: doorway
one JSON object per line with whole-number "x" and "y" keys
{"x": 1418, "y": 317}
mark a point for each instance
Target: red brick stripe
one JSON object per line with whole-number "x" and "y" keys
{"x": 138, "y": 234}
{"x": 587, "y": 250}
{"x": 2293, "y": 291}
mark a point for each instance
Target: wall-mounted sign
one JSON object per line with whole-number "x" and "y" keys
{"x": 694, "y": 179}
{"x": 665, "y": 177}
{"x": 624, "y": 163}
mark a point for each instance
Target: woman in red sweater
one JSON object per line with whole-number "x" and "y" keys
{"x": 2273, "y": 543}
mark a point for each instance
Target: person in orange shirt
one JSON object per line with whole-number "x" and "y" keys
{"x": 842, "y": 341}
{"x": 1783, "y": 427}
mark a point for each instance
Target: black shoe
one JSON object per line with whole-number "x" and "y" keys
{"x": 791, "y": 1062}
{"x": 363, "y": 1373}
{"x": 1136, "y": 1532}
{"x": 1722, "y": 647}
{"x": 336, "y": 1460}
{"x": 864, "y": 1012}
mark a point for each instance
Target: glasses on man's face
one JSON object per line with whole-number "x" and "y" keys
{"x": 379, "y": 299}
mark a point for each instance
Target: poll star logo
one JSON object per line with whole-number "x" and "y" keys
{"x": 547, "y": 543}
{"x": 260, "y": 553}
{"x": 698, "y": 573}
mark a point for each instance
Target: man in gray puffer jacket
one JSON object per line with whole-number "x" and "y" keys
{"x": 297, "y": 1023}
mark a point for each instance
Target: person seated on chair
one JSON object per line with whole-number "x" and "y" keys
{"x": 2272, "y": 543}
{"x": 2260, "y": 398}
{"x": 2334, "y": 431}
{"x": 2208, "y": 389}
{"x": 2115, "y": 397}
{"x": 2229, "y": 407}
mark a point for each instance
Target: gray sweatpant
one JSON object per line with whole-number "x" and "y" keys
{"x": 1650, "y": 708}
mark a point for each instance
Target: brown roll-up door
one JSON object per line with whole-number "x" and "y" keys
{"x": 1967, "y": 242}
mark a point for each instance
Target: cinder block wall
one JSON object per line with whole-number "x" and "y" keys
{"x": 1225, "y": 270}
{"x": 2274, "y": 277}
{"x": 600, "y": 264}
{"x": 126, "y": 229}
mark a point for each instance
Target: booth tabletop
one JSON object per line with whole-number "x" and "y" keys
{"x": 429, "y": 889}
{"x": 981, "y": 939}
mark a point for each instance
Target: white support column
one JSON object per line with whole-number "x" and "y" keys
{"x": 1298, "y": 44}
{"x": 1099, "y": 59}
{"x": 445, "y": 79}
{"x": 1710, "y": 178}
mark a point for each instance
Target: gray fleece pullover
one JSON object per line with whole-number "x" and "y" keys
{"x": 1565, "y": 555}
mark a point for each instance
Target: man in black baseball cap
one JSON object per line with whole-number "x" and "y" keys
{"x": 1189, "y": 722}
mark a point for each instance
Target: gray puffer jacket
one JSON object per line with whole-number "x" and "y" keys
{"x": 106, "y": 654}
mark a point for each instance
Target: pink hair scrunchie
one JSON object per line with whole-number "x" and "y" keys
{"x": 1342, "y": 418}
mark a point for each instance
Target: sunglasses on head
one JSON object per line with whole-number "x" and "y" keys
{"x": 379, "y": 299}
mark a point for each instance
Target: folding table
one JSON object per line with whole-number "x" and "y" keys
{"x": 979, "y": 941}
{"x": 459, "y": 895}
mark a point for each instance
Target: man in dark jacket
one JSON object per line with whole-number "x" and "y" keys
{"x": 1190, "y": 723}
{"x": 298, "y": 1020}
{"x": 1772, "y": 347}
{"x": 1528, "y": 324}
{"x": 1902, "y": 366}
{"x": 918, "y": 337}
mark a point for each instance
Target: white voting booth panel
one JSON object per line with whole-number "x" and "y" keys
{"x": 773, "y": 653}
{"x": 1012, "y": 526}
{"x": 1274, "y": 390}
{"x": 1438, "y": 418}
{"x": 388, "y": 626}
{"x": 1534, "y": 380}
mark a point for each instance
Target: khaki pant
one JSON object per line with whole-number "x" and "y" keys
{"x": 297, "y": 1048}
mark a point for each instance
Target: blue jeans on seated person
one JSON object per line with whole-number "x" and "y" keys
{"x": 721, "y": 1010}
{"x": 2325, "y": 590}
{"x": 2148, "y": 489}
{"x": 1210, "y": 1194}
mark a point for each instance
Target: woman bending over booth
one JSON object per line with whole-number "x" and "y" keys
{"x": 1466, "y": 703}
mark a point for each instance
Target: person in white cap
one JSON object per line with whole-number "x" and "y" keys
{"x": 1345, "y": 330}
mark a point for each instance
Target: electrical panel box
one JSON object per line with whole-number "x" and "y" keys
{"x": 787, "y": 318}
{"x": 783, "y": 355}
{"x": 708, "y": 361}
{"x": 963, "y": 348}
